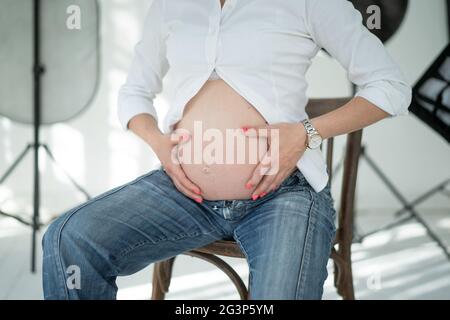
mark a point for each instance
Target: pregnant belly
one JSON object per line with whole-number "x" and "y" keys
{"x": 219, "y": 158}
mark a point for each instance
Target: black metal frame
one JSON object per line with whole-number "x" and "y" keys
{"x": 38, "y": 71}
{"x": 408, "y": 206}
{"x": 448, "y": 18}
{"x": 428, "y": 117}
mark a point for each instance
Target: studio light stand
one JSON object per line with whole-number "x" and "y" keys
{"x": 36, "y": 145}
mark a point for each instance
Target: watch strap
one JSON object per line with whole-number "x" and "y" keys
{"x": 310, "y": 130}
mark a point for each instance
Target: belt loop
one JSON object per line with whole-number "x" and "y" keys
{"x": 300, "y": 175}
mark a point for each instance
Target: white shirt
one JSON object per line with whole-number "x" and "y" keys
{"x": 262, "y": 49}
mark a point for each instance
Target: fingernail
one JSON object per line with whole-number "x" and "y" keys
{"x": 254, "y": 197}
{"x": 245, "y": 129}
{"x": 248, "y": 186}
{"x": 262, "y": 194}
{"x": 199, "y": 200}
{"x": 184, "y": 137}
{"x": 197, "y": 191}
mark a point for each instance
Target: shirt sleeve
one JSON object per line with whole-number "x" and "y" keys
{"x": 336, "y": 26}
{"x": 148, "y": 67}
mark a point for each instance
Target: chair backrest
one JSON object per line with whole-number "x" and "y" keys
{"x": 341, "y": 253}
{"x": 317, "y": 107}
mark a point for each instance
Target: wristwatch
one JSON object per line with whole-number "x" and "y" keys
{"x": 314, "y": 139}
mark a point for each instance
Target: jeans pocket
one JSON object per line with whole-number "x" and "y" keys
{"x": 326, "y": 204}
{"x": 296, "y": 181}
{"x": 292, "y": 180}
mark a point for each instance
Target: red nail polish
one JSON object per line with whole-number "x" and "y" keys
{"x": 197, "y": 192}
{"x": 198, "y": 200}
{"x": 254, "y": 197}
{"x": 245, "y": 129}
{"x": 262, "y": 194}
{"x": 248, "y": 186}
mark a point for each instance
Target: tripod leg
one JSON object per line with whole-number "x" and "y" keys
{"x": 36, "y": 204}
{"x": 422, "y": 198}
{"x": 386, "y": 181}
{"x": 15, "y": 163}
{"x": 431, "y": 233}
{"x": 407, "y": 206}
{"x": 75, "y": 183}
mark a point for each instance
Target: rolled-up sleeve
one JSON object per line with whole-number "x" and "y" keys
{"x": 148, "y": 67}
{"x": 336, "y": 26}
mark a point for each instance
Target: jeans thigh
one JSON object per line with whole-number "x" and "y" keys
{"x": 287, "y": 240}
{"x": 121, "y": 231}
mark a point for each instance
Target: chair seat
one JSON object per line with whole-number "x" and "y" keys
{"x": 228, "y": 248}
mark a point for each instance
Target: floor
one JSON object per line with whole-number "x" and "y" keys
{"x": 402, "y": 263}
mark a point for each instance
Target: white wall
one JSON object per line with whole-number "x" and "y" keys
{"x": 100, "y": 155}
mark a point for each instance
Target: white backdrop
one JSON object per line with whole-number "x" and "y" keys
{"x": 100, "y": 155}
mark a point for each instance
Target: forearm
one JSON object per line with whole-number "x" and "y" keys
{"x": 146, "y": 127}
{"x": 358, "y": 113}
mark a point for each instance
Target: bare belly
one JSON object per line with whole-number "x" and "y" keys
{"x": 219, "y": 158}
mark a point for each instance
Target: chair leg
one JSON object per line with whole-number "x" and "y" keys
{"x": 345, "y": 287}
{"x": 343, "y": 278}
{"x": 162, "y": 273}
{"x": 346, "y": 215}
{"x": 226, "y": 268}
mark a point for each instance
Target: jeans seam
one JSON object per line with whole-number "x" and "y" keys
{"x": 330, "y": 217}
{"x": 250, "y": 276}
{"x": 57, "y": 248}
{"x": 306, "y": 248}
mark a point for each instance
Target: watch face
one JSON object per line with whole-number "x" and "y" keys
{"x": 315, "y": 141}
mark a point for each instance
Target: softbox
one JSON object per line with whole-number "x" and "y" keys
{"x": 68, "y": 53}
{"x": 49, "y": 71}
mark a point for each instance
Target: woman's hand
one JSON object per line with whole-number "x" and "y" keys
{"x": 165, "y": 146}
{"x": 167, "y": 150}
{"x": 287, "y": 143}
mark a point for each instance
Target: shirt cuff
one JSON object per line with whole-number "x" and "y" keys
{"x": 132, "y": 106}
{"x": 394, "y": 98}
{"x": 313, "y": 167}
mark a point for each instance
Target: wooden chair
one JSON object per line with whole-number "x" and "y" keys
{"x": 341, "y": 252}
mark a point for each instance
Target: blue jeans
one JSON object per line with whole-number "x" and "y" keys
{"x": 286, "y": 237}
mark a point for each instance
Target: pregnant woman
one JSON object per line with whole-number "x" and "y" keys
{"x": 239, "y": 157}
